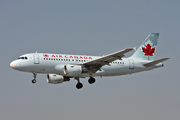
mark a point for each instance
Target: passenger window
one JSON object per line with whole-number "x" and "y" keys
{"x": 26, "y": 58}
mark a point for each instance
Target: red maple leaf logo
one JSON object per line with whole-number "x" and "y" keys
{"x": 148, "y": 51}
{"x": 45, "y": 55}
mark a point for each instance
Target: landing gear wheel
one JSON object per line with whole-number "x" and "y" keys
{"x": 79, "y": 85}
{"x": 33, "y": 81}
{"x": 91, "y": 80}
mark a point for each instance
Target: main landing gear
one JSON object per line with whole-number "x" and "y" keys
{"x": 91, "y": 80}
{"x": 34, "y": 75}
{"x": 79, "y": 85}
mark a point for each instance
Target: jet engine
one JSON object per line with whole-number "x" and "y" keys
{"x": 74, "y": 70}
{"x": 56, "y": 79}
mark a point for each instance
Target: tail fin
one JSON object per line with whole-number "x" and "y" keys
{"x": 147, "y": 49}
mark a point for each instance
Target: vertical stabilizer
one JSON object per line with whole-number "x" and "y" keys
{"x": 147, "y": 49}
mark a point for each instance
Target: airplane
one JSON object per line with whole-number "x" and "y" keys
{"x": 61, "y": 67}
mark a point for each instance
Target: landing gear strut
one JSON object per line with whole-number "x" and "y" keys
{"x": 79, "y": 85}
{"x": 34, "y": 75}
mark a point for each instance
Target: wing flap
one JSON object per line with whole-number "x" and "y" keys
{"x": 154, "y": 62}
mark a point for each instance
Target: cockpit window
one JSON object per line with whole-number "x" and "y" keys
{"x": 23, "y": 58}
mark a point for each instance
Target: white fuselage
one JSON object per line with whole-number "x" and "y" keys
{"x": 54, "y": 64}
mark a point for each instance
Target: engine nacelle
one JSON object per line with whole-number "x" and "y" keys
{"x": 56, "y": 79}
{"x": 74, "y": 70}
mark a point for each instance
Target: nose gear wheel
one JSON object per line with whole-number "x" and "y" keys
{"x": 34, "y": 81}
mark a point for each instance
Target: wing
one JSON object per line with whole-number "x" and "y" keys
{"x": 96, "y": 64}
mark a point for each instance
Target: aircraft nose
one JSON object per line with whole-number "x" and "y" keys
{"x": 13, "y": 64}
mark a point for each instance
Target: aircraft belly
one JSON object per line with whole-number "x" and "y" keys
{"x": 114, "y": 70}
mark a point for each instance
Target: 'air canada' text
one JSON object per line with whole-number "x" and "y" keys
{"x": 68, "y": 56}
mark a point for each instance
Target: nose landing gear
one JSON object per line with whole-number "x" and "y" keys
{"x": 34, "y": 75}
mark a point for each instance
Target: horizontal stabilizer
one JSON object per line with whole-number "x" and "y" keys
{"x": 154, "y": 62}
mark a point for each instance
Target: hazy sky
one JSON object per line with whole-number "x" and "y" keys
{"x": 94, "y": 27}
